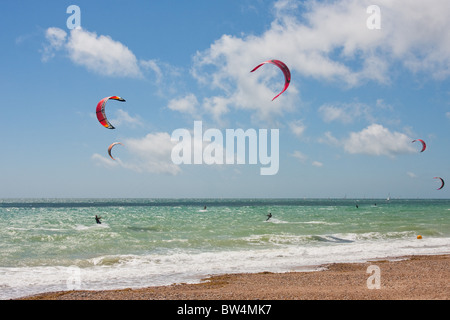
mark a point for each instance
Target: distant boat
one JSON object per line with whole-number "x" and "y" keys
{"x": 389, "y": 197}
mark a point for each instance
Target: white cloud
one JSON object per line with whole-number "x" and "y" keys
{"x": 344, "y": 113}
{"x": 56, "y": 39}
{"x": 217, "y": 107}
{"x": 99, "y": 54}
{"x": 231, "y": 64}
{"x": 331, "y": 113}
{"x": 378, "y": 140}
{"x": 411, "y": 33}
{"x": 304, "y": 158}
{"x": 411, "y": 174}
{"x": 297, "y": 127}
{"x": 153, "y": 65}
{"x": 300, "y": 156}
{"x": 317, "y": 164}
{"x": 374, "y": 140}
{"x": 329, "y": 139}
{"x": 124, "y": 118}
{"x": 104, "y": 161}
{"x": 323, "y": 40}
{"x": 187, "y": 104}
{"x": 326, "y": 40}
{"x": 151, "y": 153}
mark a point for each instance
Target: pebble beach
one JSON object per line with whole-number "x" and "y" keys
{"x": 404, "y": 278}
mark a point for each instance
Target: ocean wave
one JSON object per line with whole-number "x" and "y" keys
{"x": 109, "y": 260}
{"x": 133, "y": 271}
{"x": 290, "y": 239}
{"x": 80, "y": 227}
{"x": 321, "y": 222}
{"x": 145, "y": 243}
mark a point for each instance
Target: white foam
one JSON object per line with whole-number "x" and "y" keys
{"x": 80, "y": 227}
{"x": 114, "y": 272}
{"x": 276, "y": 221}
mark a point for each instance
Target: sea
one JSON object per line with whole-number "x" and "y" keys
{"x": 56, "y": 245}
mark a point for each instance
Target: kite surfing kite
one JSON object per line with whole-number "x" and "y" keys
{"x": 442, "y": 182}
{"x": 286, "y": 72}
{"x": 110, "y": 148}
{"x": 101, "y": 116}
{"x": 424, "y": 145}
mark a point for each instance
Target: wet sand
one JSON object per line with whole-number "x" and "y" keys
{"x": 406, "y": 278}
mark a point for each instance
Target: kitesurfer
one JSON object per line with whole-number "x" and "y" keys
{"x": 269, "y": 216}
{"x": 97, "y": 219}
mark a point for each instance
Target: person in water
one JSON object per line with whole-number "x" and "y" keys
{"x": 97, "y": 219}
{"x": 269, "y": 216}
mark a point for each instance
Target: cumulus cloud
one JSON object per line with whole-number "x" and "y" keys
{"x": 217, "y": 107}
{"x": 324, "y": 40}
{"x": 124, "y": 118}
{"x": 404, "y": 35}
{"x": 297, "y": 127}
{"x": 411, "y": 174}
{"x": 374, "y": 140}
{"x": 241, "y": 90}
{"x": 329, "y": 139}
{"x": 187, "y": 104}
{"x": 317, "y": 164}
{"x": 98, "y": 53}
{"x": 56, "y": 40}
{"x": 101, "y": 54}
{"x": 104, "y": 161}
{"x": 344, "y": 113}
{"x": 151, "y": 153}
{"x": 300, "y": 156}
{"x": 304, "y": 159}
{"x": 166, "y": 77}
{"x": 328, "y": 41}
{"x": 154, "y": 66}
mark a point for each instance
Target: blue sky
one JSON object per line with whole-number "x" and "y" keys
{"x": 357, "y": 98}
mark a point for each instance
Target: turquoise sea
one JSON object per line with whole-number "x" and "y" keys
{"x": 55, "y": 244}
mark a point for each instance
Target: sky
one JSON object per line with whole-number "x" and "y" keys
{"x": 367, "y": 78}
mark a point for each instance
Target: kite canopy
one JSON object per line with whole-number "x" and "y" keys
{"x": 286, "y": 72}
{"x": 111, "y": 146}
{"x": 101, "y": 116}
{"x": 424, "y": 145}
{"x": 442, "y": 182}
